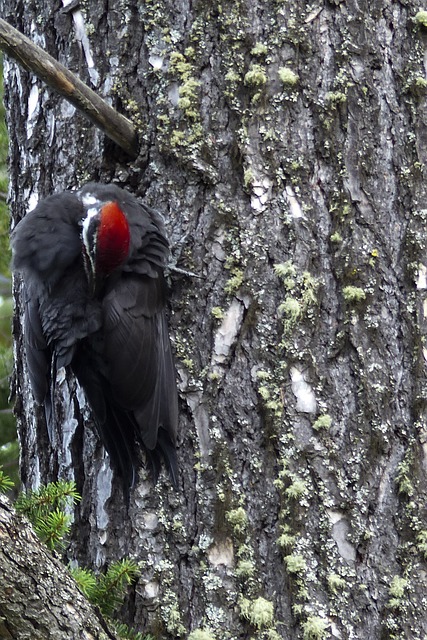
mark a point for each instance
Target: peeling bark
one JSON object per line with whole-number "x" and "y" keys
{"x": 286, "y": 146}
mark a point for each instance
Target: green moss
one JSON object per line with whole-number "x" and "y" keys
{"x": 285, "y": 270}
{"x": 270, "y": 393}
{"x": 184, "y": 103}
{"x": 188, "y": 363}
{"x": 188, "y": 97}
{"x": 299, "y": 305}
{"x": 256, "y": 76}
{"x": 132, "y": 106}
{"x": 179, "y": 65}
{"x": 336, "y": 238}
{"x": 309, "y": 288}
{"x": 248, "y": 178}
{"x": 259, "y": 49}
{"x": 335, "y": 582}
{"x": 289, "y": 284}
{"x": 283, "y": 474}
{"x": 190, "y": 52}
{"x": 295, "y": 563}
{"x": 287, "y": 539}
{"x": 264, "y": 392}
{"x": 217, "y": 313}
{"x": 403, "y": 478}
{"x": 322, "y": 422}
{"x": 238, "y": 519}
{"x": 178, "y": 138}
{"x": 259, "y": 612}
{"x": 172, "y": 617}
{"x": 373, "y": 257}
{"x": 275, "y": 406}
{"x": 245, "y": 569}
{"x": 188, "y": 136}
{"x": 163, "y": 120}
{"x": 232, "y": 76}
{"x": 421, "y": 18}
{"x": 397, "y": 587}
{"x": 420, "y": 83}
{"x": 396, "y": 592}
{"x": 288, "y": 77}
{"x": 201, "y": 634}
{"x": 234, "y": 283}
{"x": 315, "y": 628}
{"x": 334, "y": 98}
{"x": 291, "y": 309}
{"x": 297, "y": 489}
{"x": 353, "y": 294}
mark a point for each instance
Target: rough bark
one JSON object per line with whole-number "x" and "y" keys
{"x": 38, "y": 597}
{"x": 274, "y": 133}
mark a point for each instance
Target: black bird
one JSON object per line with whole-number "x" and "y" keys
{"x": 92, "y": 263}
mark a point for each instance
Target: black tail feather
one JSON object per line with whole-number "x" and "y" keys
{"x": 167, "y": 449}
{"x": 164, "y": 451}
{"x": 114, "y": 427}
{"x": 154, "y": 464}
{"x": 117, "y": 436}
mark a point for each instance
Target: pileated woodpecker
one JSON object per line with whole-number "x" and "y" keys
{"x": 92, "y": 263}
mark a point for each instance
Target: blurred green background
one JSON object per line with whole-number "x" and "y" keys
{"x": 9, "y": 451}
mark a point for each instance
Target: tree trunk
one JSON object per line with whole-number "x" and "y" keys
{"x": 38, "y": 597}
{"x": 285, "y": 143}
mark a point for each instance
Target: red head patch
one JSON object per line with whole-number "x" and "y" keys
{"x": 113, "y": 238}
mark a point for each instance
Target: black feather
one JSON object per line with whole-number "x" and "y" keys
{"x": 116, "y": 342}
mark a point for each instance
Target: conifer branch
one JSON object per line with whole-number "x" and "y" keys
{"x": 34, "y": 59}
{"x": 5, "y": 482}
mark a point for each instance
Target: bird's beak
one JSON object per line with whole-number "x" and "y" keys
{"x": 92, "y": 284}
{"x": 90, "y": 274}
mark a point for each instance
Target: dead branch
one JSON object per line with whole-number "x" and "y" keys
{"x": 59, "y": 78}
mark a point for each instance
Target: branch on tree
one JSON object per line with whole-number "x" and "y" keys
{"x": 38, "y": 597}
{"x": 33, "y": 58}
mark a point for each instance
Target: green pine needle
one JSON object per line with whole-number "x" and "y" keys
{"x": 44, "y": 507}
{"x": 112, "y": 585}
{"x": 86, "y": 581}
{"x": 52, "y": 528}
{"x": 5, "y": 482}
{"x": 107, "y": 591}
{"x": 127, "y": 633}
{"x": 55, "y": 495}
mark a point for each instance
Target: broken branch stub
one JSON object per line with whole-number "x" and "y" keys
{"x": 34, "y": 59}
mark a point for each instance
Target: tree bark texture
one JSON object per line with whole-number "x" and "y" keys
{"x": 285, "y": 142}
{"x": 38, "y": 597}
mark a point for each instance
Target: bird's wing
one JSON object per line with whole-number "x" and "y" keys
{"x": 137, "y": 349}
{"x": 37, "y": 351}
{"x": 115, "y": 427}
{"x": 40, "y": 359}
{"x": 46, "y": 241}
